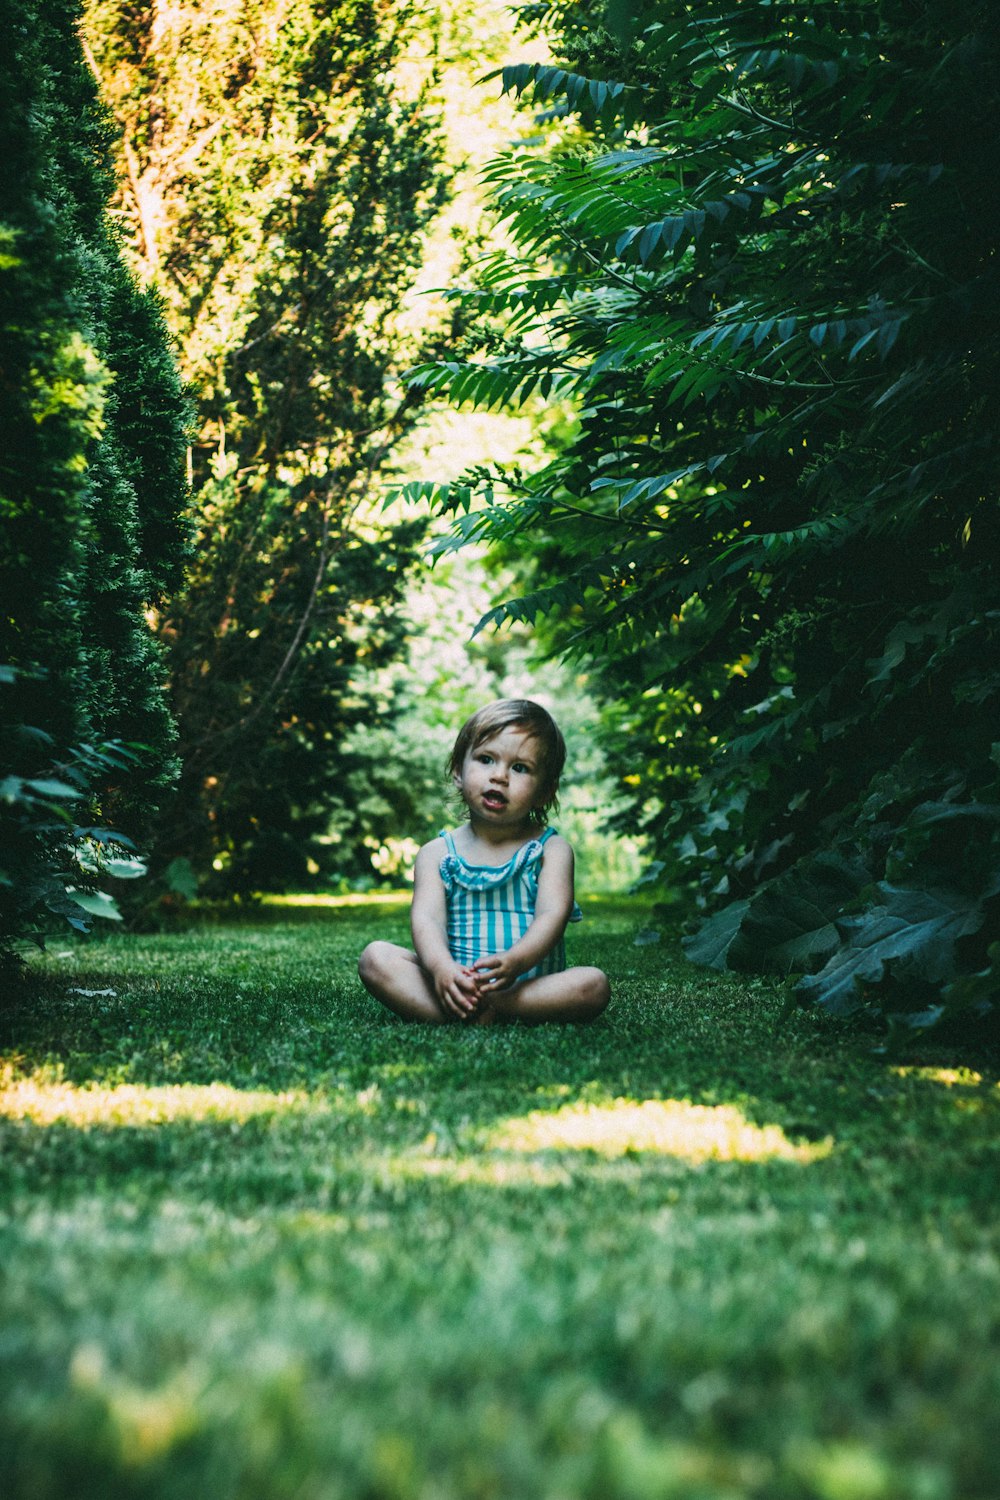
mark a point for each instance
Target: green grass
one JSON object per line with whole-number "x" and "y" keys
{"x": 262, "y": 1240}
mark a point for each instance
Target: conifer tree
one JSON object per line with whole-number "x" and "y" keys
{"x": 91, "y": 481}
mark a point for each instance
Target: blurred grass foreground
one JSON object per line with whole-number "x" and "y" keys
{"x": 261, "y": 1240}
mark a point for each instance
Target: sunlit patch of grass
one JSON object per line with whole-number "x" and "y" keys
{"x": 146, "y": 1423}
{"x": 45, "y": 1101}
{"x": 950, "y": 1077}
{"x": 670, "y": 1127}
{"x": 333, "y": 902}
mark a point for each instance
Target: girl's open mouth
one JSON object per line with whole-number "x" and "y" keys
{"x": 494, "y": 799}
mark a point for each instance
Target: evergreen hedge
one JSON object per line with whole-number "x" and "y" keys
{"x": 91, "y": 491}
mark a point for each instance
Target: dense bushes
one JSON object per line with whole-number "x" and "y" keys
{"x": 759, "y": 252}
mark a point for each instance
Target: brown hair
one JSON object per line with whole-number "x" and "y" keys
{"x": 517, "y": 713}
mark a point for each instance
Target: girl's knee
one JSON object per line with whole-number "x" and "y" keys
{"x": 596, "y": 991}
{"x": 373, "y": 961}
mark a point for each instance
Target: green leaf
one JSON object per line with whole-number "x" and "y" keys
{"x": 710, "y": 945}
{"x": 124, "y": 869}
{"x": 978, "y": 992}
{"x": 97, "y": 903}
{"x": 51, "y": 786}
{"x": 180, "y": 878}
{"x": 911, "y": 934}
{"x": 791, "y": 925}
{"x": 903, "y": 635}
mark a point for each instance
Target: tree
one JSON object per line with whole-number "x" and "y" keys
{"x": 281, "y": 165}
{"x": 759, "y": 252}
{"x": 91, "y": 486}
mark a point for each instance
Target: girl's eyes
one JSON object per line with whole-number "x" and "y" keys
{"x": 486, "y": 759}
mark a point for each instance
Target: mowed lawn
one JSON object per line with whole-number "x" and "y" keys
{"x": 260, "y": 1239}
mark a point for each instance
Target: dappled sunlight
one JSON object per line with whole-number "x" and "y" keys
{"x": 665, "y": 1127}
{"x": 367, "y": 898}
{"x": 949, "y": 1077}
{"x": 44, "y": 1100}
{"x": 507, "y": 1156}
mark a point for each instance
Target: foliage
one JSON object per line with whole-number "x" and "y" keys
{"x": 305, "y": 724}
{"x": 50, "y": 864}
{"x": 91, "y": 474}
{"x": 281, "y": 165}
{"x": 758, "y": 249}
{"x": 259, "y": 1238}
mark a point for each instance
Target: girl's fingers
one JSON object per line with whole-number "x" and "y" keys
{"x": 492, "y": 972}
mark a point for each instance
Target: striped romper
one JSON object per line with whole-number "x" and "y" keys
{"x": 491, "y": 907}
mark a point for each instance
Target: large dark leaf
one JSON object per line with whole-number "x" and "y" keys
{"x": 950, "y": 844}
{"x": 711, "y": 943}
{"x": 913, "y": 932}
{"x": 791, "y": 926}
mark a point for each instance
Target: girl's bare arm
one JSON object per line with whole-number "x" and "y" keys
{"x": 456, "y": 987}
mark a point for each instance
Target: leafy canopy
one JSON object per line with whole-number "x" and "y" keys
{"x": 278, "y": 175}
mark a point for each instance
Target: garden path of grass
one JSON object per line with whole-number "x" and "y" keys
{"x": 261, "y": 1240}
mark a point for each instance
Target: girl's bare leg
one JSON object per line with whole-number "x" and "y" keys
{"x": 394, "y": 975}
{"x": 574, "y": 995}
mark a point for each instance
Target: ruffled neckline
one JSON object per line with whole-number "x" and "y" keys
{"x": 457, "y": 871}
{"x": 455, "y": 867}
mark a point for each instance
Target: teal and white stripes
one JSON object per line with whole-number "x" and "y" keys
{"x": 491, "y": 907}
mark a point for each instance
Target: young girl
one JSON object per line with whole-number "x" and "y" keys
{"x": 491, "y": 901}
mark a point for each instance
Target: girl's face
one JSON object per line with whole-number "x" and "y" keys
{"x": 502, "y": 779}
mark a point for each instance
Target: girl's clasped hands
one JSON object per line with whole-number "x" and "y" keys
{"x": 469, "y": 990}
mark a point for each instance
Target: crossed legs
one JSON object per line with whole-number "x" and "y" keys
{"x": 395, "y": 976}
